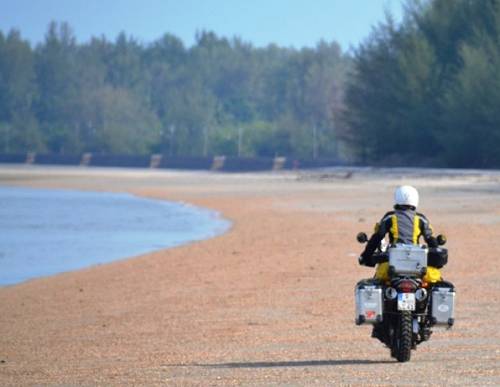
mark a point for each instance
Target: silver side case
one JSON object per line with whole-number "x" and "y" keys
{"x": 443, "y": 306}
{"x": 369, "y": 304}
{"x": 407, "y": 259}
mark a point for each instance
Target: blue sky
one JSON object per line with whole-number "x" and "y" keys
{"x": 294, "y": 23}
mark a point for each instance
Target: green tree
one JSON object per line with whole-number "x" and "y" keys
{"x": 57, "y": 78}
{"x": 18, "y": 126}
{"x": 471, "y": 132}
{"x": 220, "y": 95}
{"x": 120, "y": 123}
{"x": 420, "y": 88}
{"x": 374, "y": 95}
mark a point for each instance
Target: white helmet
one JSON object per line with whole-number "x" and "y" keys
{"x": 406, "y": 195}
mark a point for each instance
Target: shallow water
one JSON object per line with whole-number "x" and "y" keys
{"x": 44, "y": 232}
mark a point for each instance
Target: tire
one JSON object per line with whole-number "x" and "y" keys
{"x": 403, "y": 339}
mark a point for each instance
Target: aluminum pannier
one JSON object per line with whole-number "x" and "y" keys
{"x": 369, "y": 302}
{"x": 443, "y": 304}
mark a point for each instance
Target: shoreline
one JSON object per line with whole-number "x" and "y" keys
{"x": 269, "y": 302}
{"x": 92, "y": 249}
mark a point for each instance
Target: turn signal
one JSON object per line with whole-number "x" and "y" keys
{"x": 421, "y": 294}
{"x": 391, "y": 293}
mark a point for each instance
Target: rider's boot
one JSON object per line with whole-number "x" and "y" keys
{"x": 378, "y": 332}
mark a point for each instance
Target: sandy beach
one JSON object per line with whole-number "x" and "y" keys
{"x": 268, "y": 303}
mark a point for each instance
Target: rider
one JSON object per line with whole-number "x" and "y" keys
{"x": 404, "y": 225}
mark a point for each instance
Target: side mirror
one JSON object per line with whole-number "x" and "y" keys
{"x": 441, "y": 239}
{"x": 361, "y": 237}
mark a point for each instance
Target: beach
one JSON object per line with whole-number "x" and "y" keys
{"x": 270, "y": 302}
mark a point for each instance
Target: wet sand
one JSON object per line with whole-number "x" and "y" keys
{"x": 268, "y": 303}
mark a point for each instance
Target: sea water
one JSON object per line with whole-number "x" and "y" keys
{"x": 44, "y": 232}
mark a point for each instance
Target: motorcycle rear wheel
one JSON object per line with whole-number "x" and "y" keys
{"x": 402, "y": 343}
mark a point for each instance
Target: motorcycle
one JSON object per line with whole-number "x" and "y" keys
{"x": 404, "y": 309}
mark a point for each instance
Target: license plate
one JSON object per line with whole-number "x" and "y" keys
{"x": 406, "y": 301}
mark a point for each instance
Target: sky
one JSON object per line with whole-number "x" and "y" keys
{"x": 289, "y": 23}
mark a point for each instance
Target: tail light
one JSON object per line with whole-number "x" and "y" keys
{"x": 407, "y": 286}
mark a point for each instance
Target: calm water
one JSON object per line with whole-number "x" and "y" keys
{"x": 43, "y": 232}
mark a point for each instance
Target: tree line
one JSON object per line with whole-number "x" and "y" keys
{"x": 427, "y": 91}
{"x": 220, "y": 96}
{"x": 423, "y": 91}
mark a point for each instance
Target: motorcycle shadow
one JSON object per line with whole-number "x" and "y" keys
{"x": 304, "y": 363}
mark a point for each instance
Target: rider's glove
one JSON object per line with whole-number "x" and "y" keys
{"x": 370, "y": 261}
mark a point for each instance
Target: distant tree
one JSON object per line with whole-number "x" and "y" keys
{"x": 18, "y": 126}
{"x": 424, "y": 92}
{"x": 471, "y": 130}
{"x": 120, "y": 123}
{"x": 125, "y": 65}
{"x": 57, "y": 78}
{"x": 374, "y": 95}
{"x": 219, "y": 96}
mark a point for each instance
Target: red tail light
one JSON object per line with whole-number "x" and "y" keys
{"x": 406, "y": 286}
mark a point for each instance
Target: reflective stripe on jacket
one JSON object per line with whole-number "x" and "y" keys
{"x": 404, "y": 226}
